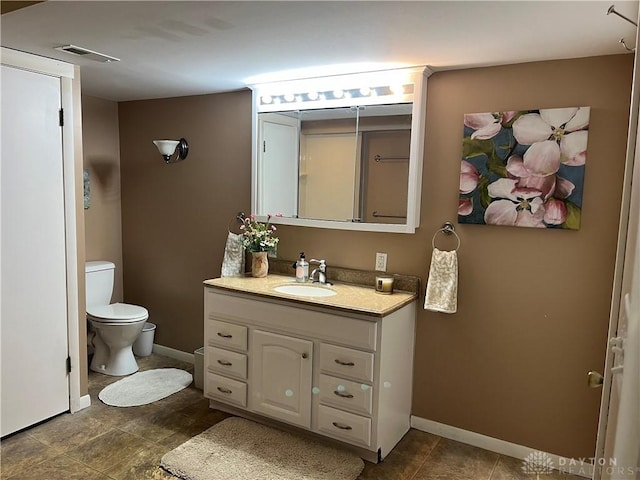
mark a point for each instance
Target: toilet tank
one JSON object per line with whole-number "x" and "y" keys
{"x": 99, "y": 282}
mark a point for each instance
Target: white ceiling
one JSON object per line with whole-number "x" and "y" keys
{"x": 177, "y": 48}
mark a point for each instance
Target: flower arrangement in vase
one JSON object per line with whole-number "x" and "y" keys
{"x": 259, "y": 239}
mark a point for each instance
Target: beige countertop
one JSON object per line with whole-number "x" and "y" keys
{"x": 348, "y": 298}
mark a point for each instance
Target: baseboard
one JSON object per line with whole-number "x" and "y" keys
{"x": 173, "y": 353}
{"x": 580, "y": 467}
{"x": 85, "y": 401}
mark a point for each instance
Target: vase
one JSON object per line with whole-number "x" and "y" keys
{"x": 259, "y": 264}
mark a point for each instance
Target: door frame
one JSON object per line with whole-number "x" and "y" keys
{"x": 66, "y": 72}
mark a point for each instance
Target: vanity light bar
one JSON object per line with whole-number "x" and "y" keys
{"x": 338, "y": 94}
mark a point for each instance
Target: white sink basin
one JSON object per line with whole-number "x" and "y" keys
{"x": 305, "y": 290}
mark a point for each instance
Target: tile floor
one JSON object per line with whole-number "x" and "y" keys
{"x": 103, "y": 442}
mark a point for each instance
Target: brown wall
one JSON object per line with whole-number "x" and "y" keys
{"x": 103, "y": 223}
{"x": 175, "y": 217}
{"x": 533, "y": 305}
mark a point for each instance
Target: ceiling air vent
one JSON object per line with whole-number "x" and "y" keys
{"x": 86, "y": 53}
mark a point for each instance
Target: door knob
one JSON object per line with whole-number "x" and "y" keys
{"x": 594, "y": 379}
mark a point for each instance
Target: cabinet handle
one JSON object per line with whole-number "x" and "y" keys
{"x": 224, "y": 390}
{"x": 342, "y": 426}
{"x": 304, "y": 355}
{"x": 342, "y": 394}
{"x": 225, "y": 335}
{"x": 225, "y": 363}
{"x": 344, "y": 364}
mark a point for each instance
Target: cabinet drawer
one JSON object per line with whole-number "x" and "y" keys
{"x": 227, "y": 362}
{"x": 346, "y": 362}
{"x": 227, "y": 335}
{"x": 345, "y": 426}
{"x": 225, "y": 389}
{"x": 330, "y": 327}
{"x": 341, "y": 393}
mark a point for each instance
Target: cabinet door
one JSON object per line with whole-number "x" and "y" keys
{"x": 281, "y": 377}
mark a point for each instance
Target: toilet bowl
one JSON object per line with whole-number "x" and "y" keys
{"x": 115, "y": 325}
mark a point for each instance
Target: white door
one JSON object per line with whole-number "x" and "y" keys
{"x": 281, "y": 377}
{"x": 620, "y": 444}
{"x": 278, "y": 167}
{"x": 330, "y": 177}
{"x": 33, "y": 321}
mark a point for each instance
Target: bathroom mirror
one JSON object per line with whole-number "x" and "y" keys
{"x": 341, "y": 152}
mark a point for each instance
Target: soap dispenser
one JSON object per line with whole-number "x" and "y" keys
{"x": 302, "y": 269}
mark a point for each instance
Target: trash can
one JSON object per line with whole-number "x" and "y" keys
{"x": 144, "y": 343}
{"x": 198, "y": 368}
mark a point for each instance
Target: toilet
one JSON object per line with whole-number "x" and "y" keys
{"x": 115, "y": 325}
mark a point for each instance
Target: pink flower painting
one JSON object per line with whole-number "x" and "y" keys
{"x": 524, "y": 168}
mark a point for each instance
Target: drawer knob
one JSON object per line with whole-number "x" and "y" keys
{"x": 343, "y": 363}
{"x": 342, "y": 394}
{"x": 305, "y": 355}
{"x": 224, "y": 390}
{"x": 342, "y": 426}
{"x": 225, "y": 363}
{"x": 224, "y": 335}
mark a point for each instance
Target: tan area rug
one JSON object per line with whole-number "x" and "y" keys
{"x": 239, "y": 449}
{"x": 145, "y": 387}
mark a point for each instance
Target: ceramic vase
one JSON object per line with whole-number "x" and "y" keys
{"x": 259, "y": 264}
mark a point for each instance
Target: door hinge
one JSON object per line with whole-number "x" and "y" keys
{"x": 264, "y": 146}
{"x": 68, "y": 364}
{"x": 61, "y": 117}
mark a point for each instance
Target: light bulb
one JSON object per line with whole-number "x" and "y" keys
{"x": 338, "y": 93}
{"x": 289, "y": 97}
{"x": 312, "y": 95}
{"x": 365, "y": 91}
{"x": 266, "y": 99}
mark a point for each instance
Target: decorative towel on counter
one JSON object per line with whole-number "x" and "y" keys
{"x": 442, "y": 285}
{"x": 233, "y": 261}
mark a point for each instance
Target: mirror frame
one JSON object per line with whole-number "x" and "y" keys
{"x": 417, "y": 77}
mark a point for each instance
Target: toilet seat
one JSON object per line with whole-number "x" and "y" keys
{"x": 117, "y": 313}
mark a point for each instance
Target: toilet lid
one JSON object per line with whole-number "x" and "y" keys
{"x": 118, "y": 312}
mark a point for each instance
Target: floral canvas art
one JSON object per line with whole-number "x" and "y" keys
{"x": 524, "y": 168}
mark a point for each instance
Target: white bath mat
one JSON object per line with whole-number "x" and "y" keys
{"x": 145, "y": 387}
{"x": 239, "y": 449}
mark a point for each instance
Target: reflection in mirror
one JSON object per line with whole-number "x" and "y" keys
{"x": 355, "y": 165}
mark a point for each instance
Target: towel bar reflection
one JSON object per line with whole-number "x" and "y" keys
{"x": 380, "y": 158}
{"x": 377, "y": 215}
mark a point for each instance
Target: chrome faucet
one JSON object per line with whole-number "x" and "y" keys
{"x": 321, "y": 271}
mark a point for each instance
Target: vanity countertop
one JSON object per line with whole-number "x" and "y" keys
{"x": 348, "y": 298}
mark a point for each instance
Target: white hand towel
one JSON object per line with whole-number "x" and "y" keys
{"x": 442, "y": 285}
{"x": 233, "y": 261}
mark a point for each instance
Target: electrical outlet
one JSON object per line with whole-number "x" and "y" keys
{"x": 381, "y": 262}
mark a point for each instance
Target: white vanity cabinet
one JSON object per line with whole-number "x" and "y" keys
{"x": 337, "y": 372}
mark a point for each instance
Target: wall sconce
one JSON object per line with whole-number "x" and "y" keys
{"x": 167, "y": 148}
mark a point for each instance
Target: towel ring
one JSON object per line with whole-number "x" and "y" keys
{"x": 447, "y": 229}
{"x": 239, "y": 218}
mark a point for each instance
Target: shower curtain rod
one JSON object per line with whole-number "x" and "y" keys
{"x": 612, "y": 9}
